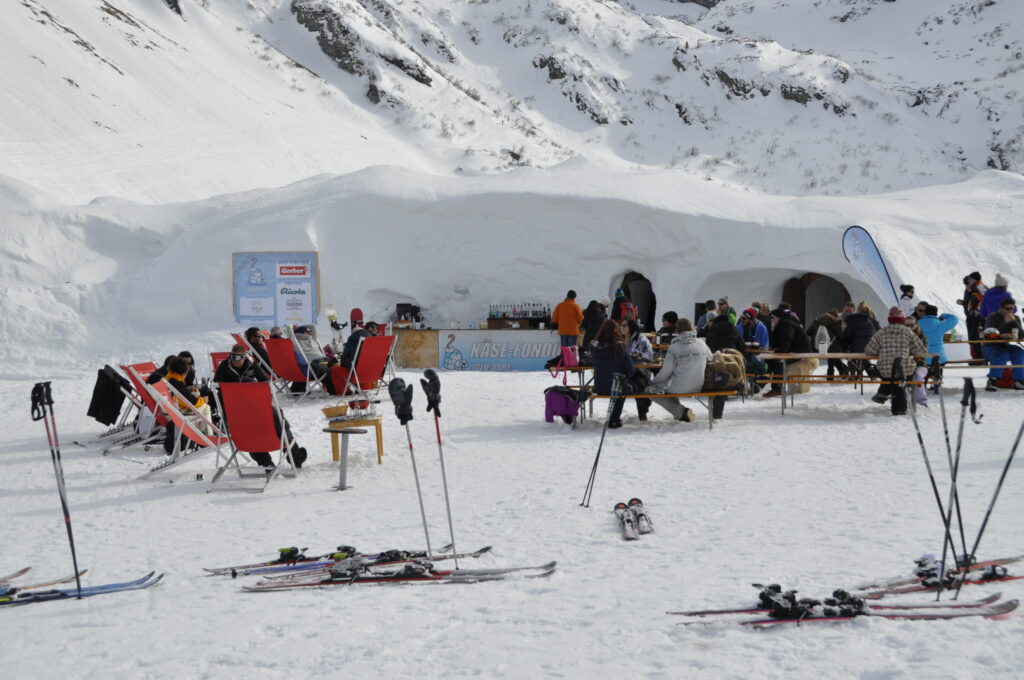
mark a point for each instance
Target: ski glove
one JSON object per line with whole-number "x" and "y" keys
{"x": 432, "y": 388}
{"x": 401, "y": 397}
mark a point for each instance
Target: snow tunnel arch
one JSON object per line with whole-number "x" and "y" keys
{"x": 639, "y": 289}
{"x": 809, "y": 294}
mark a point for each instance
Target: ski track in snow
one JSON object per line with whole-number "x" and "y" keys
{"x": 831, "y": 495}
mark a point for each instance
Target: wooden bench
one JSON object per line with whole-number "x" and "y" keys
{"x": 699, "y": 396}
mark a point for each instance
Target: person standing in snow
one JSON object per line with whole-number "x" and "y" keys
{"x": 833, "y": 324}
{"x": 907, "y": 301}
{"x": 622, "y": 307}
{"x": 593, "y": 316}
{"x": 567, "y": 317}
{"x": 992, "y": 300}
{"x": 682, "y": 372}
{"x": 895, "y": 341}
{"x": 788, "y": 337}
{"x": 609, "y": 355}
{"x": 974, "y": 291}
{"x": 1004, "y": 325}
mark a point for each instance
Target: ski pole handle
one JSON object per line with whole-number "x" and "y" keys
{"x": 41, "y": 398}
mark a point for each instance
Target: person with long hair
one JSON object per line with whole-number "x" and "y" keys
{"x": 610, "y": 356}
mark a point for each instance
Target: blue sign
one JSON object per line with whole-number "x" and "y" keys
{"x": 275, "y": 289}
{"x": 502, "y": 350}
{"x": 862, "y": 253}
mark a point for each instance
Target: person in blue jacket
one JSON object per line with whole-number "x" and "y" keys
{"x": 934, "y": 328}
{"x": 994, "y": 296}
{"x": 753, "y": 332}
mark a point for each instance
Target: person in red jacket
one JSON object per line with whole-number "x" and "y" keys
{"x": 567, "y": 317}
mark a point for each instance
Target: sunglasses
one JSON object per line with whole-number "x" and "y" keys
{"x": 1008, "y": 308}
{"x": 237, "y": 357}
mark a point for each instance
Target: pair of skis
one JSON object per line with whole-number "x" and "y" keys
{"x": 633, "y": 519}
{"x": 34, "y": 596}
{"x": 927, "y": 568}
{"x": 8, "y": 589}
{"x": 952, "y": 580}
{"x": 409, "y": 573}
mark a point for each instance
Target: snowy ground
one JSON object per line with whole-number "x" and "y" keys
{"x": 834, "y": 493}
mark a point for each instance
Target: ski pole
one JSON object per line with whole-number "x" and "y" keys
{"x": 42, "y": 409}
{"x": 954, "y": 467}
{"x": 897, "y": 374}
{"x": 988, "y": 513}
{"x": 617, "y": 379}
{"x": 401, "y": 396}
{"x": 432, "y": 388}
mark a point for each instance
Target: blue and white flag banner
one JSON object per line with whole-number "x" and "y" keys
{"x": 862, "y": 253}
{"x": 275, "y": 289}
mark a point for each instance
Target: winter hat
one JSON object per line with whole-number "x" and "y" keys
{"x": 749, "y": 313}
{"x": 906, "y": 287}
{"x": 724, "y": 300}
{"x": 780, "y": 312}
{"x": 896, "y": 315}
{"x": 711, "y": 316}
{"x": 620, "y": 293}
{"x": 571, "y": 295}
{"x": 671, "y": 317}
{"x": 1001, "y": 281}
{"x": 605, "y": 302}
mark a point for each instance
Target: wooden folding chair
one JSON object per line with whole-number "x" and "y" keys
{"x": 282, "y": 356}
{"x": 248, "y": 411}
{"x": 187, "y": 425}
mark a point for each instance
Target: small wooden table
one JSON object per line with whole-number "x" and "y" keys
{"x": 335, "y": 427}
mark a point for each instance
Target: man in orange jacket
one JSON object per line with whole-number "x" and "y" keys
{"x": 567, "y": 317}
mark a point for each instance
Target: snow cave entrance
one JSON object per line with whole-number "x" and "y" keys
{"x": 812, "y": 295}
{"x": 640, "y": 291}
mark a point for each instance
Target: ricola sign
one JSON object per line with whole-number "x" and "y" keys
{"x": 293, "y": 270}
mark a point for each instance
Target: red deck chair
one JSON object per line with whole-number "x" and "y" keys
{"x": 144, "y": 433}
{"x": 282, "y": 356}
{"x": 185, "y": 424}
{"x": 248, "y": 410}
{"x": 216, "y": 358}
{"x": 371, "y": 361}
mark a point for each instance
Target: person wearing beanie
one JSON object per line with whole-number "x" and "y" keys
{"x": 723, "y": 308}
{"x": 1004, "y": 324}
{"x": 755, "y": 336}
{"x": 622, "y": 307}
{"x": 974, "y": 291}
{"x": 907, "y": 301}
{"x": 668, "y": 328}
{"x": 895, "y": 342}
{"x": 992, "y": 300}
{"x": 787, "y": 336}
{"x": 567, "y": 317}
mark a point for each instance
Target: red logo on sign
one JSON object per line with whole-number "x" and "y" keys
{"x": 293, "y": 270}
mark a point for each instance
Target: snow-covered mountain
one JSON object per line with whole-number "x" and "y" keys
{"x": 181, "y": 99}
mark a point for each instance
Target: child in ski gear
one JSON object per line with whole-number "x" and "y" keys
{"x": 610, "y": 356}
{"x": 567, "y": 317}
{"x": 1004, "y": 324}
{"x": 683, "y": 370}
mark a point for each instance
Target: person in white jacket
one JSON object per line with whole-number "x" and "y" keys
{"x": 907, "y": 301}
{"x": 683, "y": 371}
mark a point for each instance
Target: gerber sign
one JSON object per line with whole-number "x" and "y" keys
{"x": 274, "y": 289}
{"x": 487, "y": 350}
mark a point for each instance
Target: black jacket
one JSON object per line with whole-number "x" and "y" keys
{"x": 859, "y": 329}
{"x": 789, "y": 336}
{"x": 722, "y": 334}
{"x": 107, "y": 396}
{"x": 250, "y": 371}
{"x": 592, "y": 320}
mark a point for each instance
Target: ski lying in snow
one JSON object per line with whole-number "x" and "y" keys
{"x": 627, "y": 522}
{"x": 988, "y": 611}
{"x": 7, "y": 589}
{"x": 14, "y": 575}
{"x": 292, "y": 557}
{"x": 390, "y": 557}
{"x": 926, "y": 573}
{"x": 410, "y": 573}
{"x": 925, "y": 587}
{"x": 874, "y": 607}
{"x": 644, "y": 525}
{"x": 147, "y": 581}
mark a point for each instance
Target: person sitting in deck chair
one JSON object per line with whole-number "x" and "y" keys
{"x": 239, "y": 367}
{"x": 177, "y": 370}
{"x": 254, "y": 337}
{"x": 311, "y": 352}
{"x": 160, "y": 373}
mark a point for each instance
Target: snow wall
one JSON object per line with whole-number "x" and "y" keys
{"x": 111, "y": 281}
